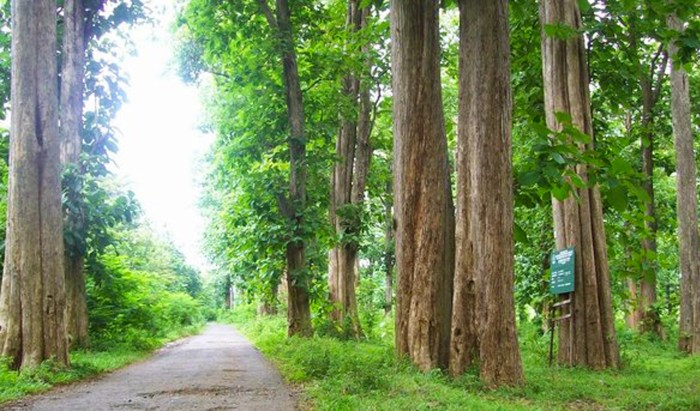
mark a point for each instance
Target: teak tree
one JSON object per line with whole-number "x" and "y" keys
{"x": 686, "y": 200}
{"x": 483, "y": 316}
{"x": 71, "y": 124}
{"x": 348, "y": 181}
{"x": 298, "y": 310}
{"x": 588, "y": 337}
{"x": 32, "y": 299}
{"x": 423, "y": 202}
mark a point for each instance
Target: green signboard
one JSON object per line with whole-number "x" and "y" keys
{"x": 562, "y": 280}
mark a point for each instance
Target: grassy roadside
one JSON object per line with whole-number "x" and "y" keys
{"x": 84, "y": 364}
{"x": 349, "y": 375}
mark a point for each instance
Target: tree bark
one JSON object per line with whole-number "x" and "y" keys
{"x": 71, "y": 116}
{"x": 483, "y": 316}
{"x": 578, "y": 222}
{"x": 298, "y": 312}
{"x": 686, "y": 200}
{"x": 32, "y": 300}
{"x": 423, "y": 202}
{"x": 348, "y": 187}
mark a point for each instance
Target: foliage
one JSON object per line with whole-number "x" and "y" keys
{"x": 141, "y": 295}
{"x": 348, "y": 375}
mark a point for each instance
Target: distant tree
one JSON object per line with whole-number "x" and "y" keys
{"x": 349, "y": 178}
{"x": 423, "y": 206}
{"x": 588, "y": 337}
{"x": 32, "y": 299}
{"x": 686, "y": 183}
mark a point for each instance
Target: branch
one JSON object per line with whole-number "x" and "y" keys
{"x": 312, "y": 85}
{"x": 268, "y": 14}
{"x": 653, "y": 61}
{"x": 660, "y": 74}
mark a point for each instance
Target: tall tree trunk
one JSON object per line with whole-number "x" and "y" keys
{"x": 32, "y": 300}
{"x": 348, "y": 186}
{"x": 298, "y": 308}
{"x": 483, "y": 316}
{"x": 71, "y": 115}
{"x": 646, "y": 319}
{"x": 299, "y": 312}
{"x": 687, "y": 203}
{"x": 388, "y": 251}
{"x": 423, "y": 201}
{"x": 578, "y": 222}
{"x": 643, "y": 290}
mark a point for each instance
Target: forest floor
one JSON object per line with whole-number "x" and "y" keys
{"x": 215, "y": 370}
{"x": 337, "y": 375}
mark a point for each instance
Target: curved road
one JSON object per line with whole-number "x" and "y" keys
{"x": 216, "y": 370}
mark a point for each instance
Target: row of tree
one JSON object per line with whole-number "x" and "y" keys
{"x": 301, "y": 92}
{"x": 63, "y": 211}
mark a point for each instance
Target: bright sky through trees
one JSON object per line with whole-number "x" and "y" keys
{"x": 160, "y": 145}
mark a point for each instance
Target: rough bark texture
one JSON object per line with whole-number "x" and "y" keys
{"x": 348, "y": 188}
{"x": 423, "y": 204}
{"x": 483, "y": 316}
{"x": 588, "y": 338}
{"x": 32, "y": 300}
{"x": 71, "y": 116}
{"x": 299, "y": 312}
{"x": 687, "y": 204}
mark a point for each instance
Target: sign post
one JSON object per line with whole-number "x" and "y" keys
{"x": 562, "y": 281}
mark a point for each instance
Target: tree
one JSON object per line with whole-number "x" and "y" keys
{"x": 85, "y": 21}
{"x": 686, "y": 200}
{"x": 483, "y": 315}
{"x": 423, "y": 202}
{"x": 32, "y": 299}
{"x": 588, "y": 336}
{"x": 298, "y": 311}
{"x": 71, "y": 124}
{"x": 348, "y": 181}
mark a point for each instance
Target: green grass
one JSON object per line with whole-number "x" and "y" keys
{"x": 349, "y": 375}
{"x": 84, "y": 364}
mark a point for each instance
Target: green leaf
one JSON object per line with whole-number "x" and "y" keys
{"x": 519, "y": 234}
{"x": 560, "y": 192}
{"x": 617, "y": 197}
{"x": 563, "y": 117}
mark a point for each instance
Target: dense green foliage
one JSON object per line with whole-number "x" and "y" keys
{"x": 343, "y": 375}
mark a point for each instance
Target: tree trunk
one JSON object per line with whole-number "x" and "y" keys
{"x": 483, "y": 316}
{"x": 646, "y": 319}
{"x": 71, "y": 115}
{"x": 388, "y": 251}
{"x": 588, "y": 337}
{"x": 423, "y": 201}
{"x": 688, "y": 236}
{"x": 348, "y": 186}
{"x": 32, "y": 300}
{"x": 298, "y": 312}
{"x": 643, "y": 290}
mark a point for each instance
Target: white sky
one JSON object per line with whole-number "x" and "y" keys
{"x": 160, "y": 145}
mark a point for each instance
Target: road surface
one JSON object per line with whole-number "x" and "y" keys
{"x": 215, "y": 370}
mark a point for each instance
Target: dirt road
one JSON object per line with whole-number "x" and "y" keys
{"x": 216, "y": 370}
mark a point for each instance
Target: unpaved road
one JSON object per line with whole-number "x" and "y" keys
{"x": 216, "y": 370}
